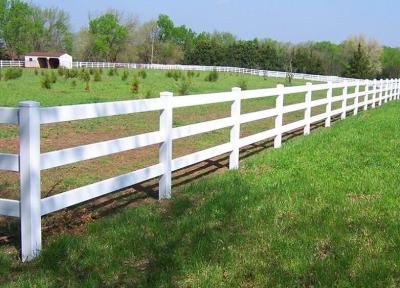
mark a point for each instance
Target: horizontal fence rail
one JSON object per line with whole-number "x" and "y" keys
{"x": 30, "y": 161}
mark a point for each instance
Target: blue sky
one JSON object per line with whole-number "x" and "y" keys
{"x": 285, "y": 20}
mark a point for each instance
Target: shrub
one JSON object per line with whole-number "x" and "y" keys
{"x": 12, "y": 73}
{"x": 36, "y": 72}
{"x": 111, "y": 72}
{"x": 97, "y": 76}
{"x": 142, "y": 73}
{"x": 71, "y": 73}
{"x": 212, "y": 76}
{"x": 85, "y": 77}
{"x": 135, "y": 83}
{"x": 92, "y": 71}
{"x": 184, "y": 85}
{"x": 73, "y": 83}
{"x": 53, "y": 77}
{"x": 243, "y": 84}
{"x": 190, "y": 74}
{"x": 1, "y": 74}
{"x": 125, "y": 75}
{"x": 45, "y": 82}
{"x": 175, "y": 74}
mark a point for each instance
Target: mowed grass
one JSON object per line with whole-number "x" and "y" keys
{"x": 113, "y": 88}
{"x": 322, "y": 211}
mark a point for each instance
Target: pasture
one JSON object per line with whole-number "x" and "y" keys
{"x": 320, "y": 212}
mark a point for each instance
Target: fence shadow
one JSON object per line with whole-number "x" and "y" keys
{"x": 72, "y": 219}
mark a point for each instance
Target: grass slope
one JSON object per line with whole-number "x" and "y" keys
{"x": 320, "y": 212}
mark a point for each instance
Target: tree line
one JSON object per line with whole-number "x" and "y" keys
{"x": 113, "y": 36}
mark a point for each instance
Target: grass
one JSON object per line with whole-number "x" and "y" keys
{"x": 322, "y": 211}
{"x": 112, "y": 88}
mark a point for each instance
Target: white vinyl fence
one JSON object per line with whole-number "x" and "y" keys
{"x": 30, "y": 161}
{"x": 11, "y": 63}
{"x": 263, "y": 73}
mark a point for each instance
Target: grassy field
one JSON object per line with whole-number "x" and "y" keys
{"x": 320, "y": 212}
{"x": 112, "y": 88}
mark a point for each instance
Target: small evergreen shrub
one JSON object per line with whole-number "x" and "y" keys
{"x": 184, "y": 85}
{"x": 45, "y": 81}
{"x": 53, "y": 77}
{"x": 36, "y": 72}
{"x": 243, "y": 84}
{"x": 97, "y": 76}
{"x": 125, "y": 75}
{"x": 212, "y": 76}
{"x": 85, "y": 77}
{"x": 135, "y": 83}
{"x": 12, "y": 73}
{"x": 142, "y": 73}
{"x": 73, "y": 83}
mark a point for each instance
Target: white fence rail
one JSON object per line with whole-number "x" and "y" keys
{"x": 263, "y": 73}
{"x": 30, "y": 161}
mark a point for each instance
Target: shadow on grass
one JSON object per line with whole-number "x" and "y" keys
{"x": 72, "y": 219}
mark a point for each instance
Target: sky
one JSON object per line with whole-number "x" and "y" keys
{"x": 283, "y": 20}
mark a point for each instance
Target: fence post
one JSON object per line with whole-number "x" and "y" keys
{"x": 344, "y": 102}
{"x": 374, "y": 95}
{"x": 381, "y": 92}
{"x": 366, "y": 97}
{"x": 29, "y": 161}
{"x": 165, "y": 149}
{"x": 397, "y": 89}
{"x": 279, "y": 116}
{"x": 307, "y": 111}
{"x": 356, "y": 99}
{"x": 329, "y": 104}
{"x": 386, "y": 91}
{"x": 235, "y": 130}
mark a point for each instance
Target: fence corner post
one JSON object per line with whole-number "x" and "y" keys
{"x": 165, "y": 149}
{"x": 29, "y": 161}
{"x": 279, "y": 116}
{"x": 328, "y": 110}
{"x": 235, "y": 130}
{"x": 307, "y": 111}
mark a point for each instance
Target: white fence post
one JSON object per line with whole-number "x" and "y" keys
{"x": 366, "y": 97}
{"x": 29, "y": 157}
{"x": 381, "y": 92}
{"x": 329, "y": 104}
{"x": 279, "y": 116}
{"x": 165, "y": 149}
{"x": 386, "y": 91}
{"x": 374, "y": 94}
{"x": 235, "y": 130}
{"x": 356, "y": 99}
{"x": 344, "y": 102}
{"x": 307, "y": 111}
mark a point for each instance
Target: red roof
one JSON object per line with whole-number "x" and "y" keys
{"x": 46, "y": 54}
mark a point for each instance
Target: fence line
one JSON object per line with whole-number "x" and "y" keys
{"x": 263, "y": 73}
{"x": 29, "y": 116}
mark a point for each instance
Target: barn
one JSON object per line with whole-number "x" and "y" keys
{"x": 52, "y": 60}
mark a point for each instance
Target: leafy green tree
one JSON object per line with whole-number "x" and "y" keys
{"x": 391, "y": 62}
{"x": 108, "y": 37}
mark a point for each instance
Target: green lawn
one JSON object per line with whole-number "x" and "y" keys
{"x": 323, "y": 211}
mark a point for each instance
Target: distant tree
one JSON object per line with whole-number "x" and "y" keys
{"x": 359, "y": 64}
{"x": 108, "y": 37}
{"x": 391, "y": 62}
{"x": 17, "y": 27}
{"x": 370, "y": 47}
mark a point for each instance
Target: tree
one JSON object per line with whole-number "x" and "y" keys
{"x": 108, "y": 37}
{"x": 391, "y": 62}
{"x": 17, "y": 27}
{"x": 359, "y": 64}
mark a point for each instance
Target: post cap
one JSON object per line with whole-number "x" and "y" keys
{"x": 29, "y": 104}
{"x": 166, "y": 94}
